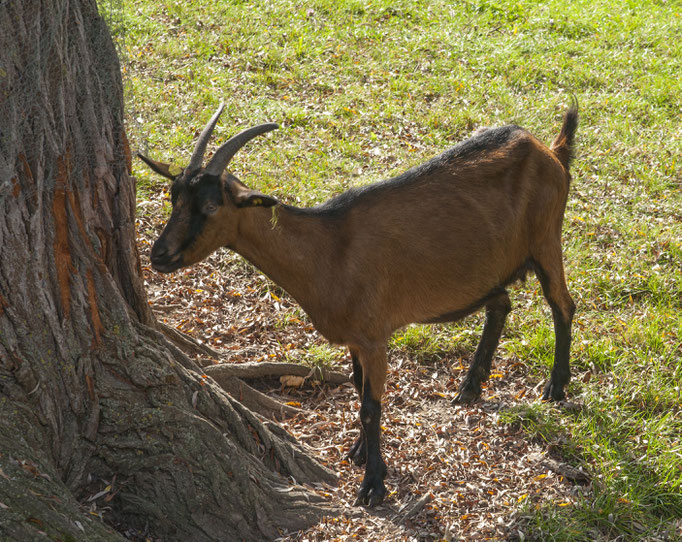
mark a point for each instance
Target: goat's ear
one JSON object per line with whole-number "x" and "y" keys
{"x": 243, "y": 196}
{"x": 170, "y": 171}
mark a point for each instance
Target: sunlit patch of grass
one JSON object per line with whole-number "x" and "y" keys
{"x": 536, "y": 419}
{"x": 321, "y": 356}
{"x": 437, "y": 344}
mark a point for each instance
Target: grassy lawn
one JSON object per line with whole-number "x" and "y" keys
{"x": 365, "y": 89}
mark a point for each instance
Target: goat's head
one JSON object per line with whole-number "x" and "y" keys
{"x": 206, "y": 201}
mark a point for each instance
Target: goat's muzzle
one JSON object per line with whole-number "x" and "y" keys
{"x": 163, "y": 261}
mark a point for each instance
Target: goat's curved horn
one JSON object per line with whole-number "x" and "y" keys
{"x": 228, "y": 149}
{"x": 200, "y": 147}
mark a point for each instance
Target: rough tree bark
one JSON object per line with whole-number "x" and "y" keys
{"x": 92, "y": 398}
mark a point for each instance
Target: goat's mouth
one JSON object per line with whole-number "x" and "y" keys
{"x": 166, "y": 264}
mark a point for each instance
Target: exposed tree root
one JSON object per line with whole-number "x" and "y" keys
{"x": 186, "y": 343}
{"x": 231, "y": 376}
{"x": 252, "y": 398}
{"x": 252, "y": 371}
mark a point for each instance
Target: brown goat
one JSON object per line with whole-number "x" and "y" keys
{"x": 432, "y": 245}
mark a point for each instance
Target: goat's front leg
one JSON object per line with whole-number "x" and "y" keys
{"x": 373, "y": 361}
{"x": 358, "y": 452}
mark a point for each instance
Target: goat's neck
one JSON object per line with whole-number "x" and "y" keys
{"x": 291, "y": 248}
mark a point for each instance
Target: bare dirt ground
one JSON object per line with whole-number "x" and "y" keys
{"x": 455, "y": 472}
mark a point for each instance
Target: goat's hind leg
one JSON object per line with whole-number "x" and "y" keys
{"x": 550, "y": 272}
{"x": 358, "y": 452}
{"x": 496, "y": 311}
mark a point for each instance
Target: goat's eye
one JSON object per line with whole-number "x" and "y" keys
{"x": 209, "y": 208}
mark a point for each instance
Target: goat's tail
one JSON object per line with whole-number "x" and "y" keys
{"x": 562, "y": 146}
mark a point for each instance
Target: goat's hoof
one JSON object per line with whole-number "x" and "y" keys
{"x": 375, "y": 499}
{"x": 358, "y": 453}
{"x": 466, "y": 395}
{"x": 371, "y": 494}
{"x": 553, "y": 392}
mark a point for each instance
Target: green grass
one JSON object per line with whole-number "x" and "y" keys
{"x": 365, "y": 89}
{"x": 321, "y": 356}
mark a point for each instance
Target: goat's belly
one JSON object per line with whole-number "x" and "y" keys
{"x": 451, "y": 316}
{"x": 448, "y": 308}
{"x": 338, "y": 329}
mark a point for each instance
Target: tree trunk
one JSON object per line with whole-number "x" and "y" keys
{"x": 98, "y": 412}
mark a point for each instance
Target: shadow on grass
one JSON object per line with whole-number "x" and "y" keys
{"x": 633, "y": 494}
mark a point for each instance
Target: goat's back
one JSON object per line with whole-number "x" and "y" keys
{"x": 444, "y": 235}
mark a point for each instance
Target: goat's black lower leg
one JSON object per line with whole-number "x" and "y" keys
{"x": 358, "y": 452}
{"x": 550, "y": 271}
{"x": 496, "y": 311}
{"x": 561, "y": 371}
{"x": 372, "y": 489}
